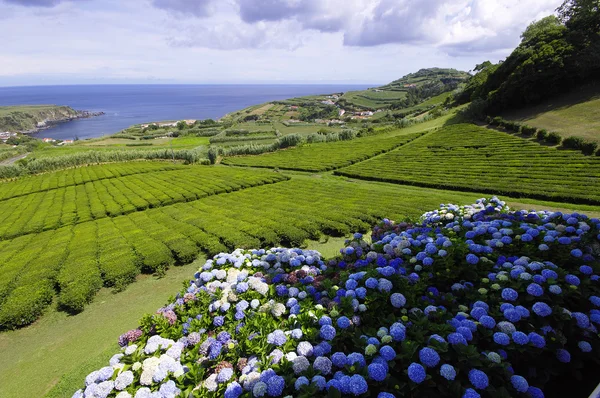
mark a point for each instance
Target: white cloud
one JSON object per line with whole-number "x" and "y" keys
{"x": 255, "y": 40}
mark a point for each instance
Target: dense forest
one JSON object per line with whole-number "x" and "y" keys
{"x": 556, "y": 53}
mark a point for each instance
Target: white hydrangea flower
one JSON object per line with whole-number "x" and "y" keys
{"x": 278, "y": 310}
{"x": 130, "y": 349}
{"x": 136, "y": 366}
{"x": 123, "y": 394}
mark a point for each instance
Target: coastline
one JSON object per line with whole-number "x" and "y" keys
{"x": 51, "y": 123}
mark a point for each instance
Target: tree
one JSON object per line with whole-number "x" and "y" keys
{"x": 541, "y": 30}
{"x": 582, "y": 15}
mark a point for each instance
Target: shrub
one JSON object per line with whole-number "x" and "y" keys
{"x": 572, "y": 142}
{"x": 470, "y": 310}
{"x": 541, "y": 135}
{"x": 553, "y": 138}
{"x": 497, "y": 121}
{"x": 588, "y": 148}
{"x": 528, "y": 130}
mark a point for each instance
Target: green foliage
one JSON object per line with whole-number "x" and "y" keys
{"x": 467, "y": 157}
{"x": 528, "y": 130}
{"x": 554, "y": 55}
{"x": 318, "y": 111}
{"x": 578, "y": 143}
{"x": 41, "y": 165}
{"x": 553, "y": 138}
{"x": 541, "y": 135}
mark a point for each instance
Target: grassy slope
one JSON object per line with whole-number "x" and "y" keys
{"x": 574, "y": 114}
{"x": 34, "y": 359}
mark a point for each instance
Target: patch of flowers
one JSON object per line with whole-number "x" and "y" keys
{"x": 470, "y": 301}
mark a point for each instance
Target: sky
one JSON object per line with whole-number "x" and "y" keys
{"x": 252, "y": 41}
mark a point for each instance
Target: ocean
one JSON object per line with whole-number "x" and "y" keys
{"x": 125, "y": 105}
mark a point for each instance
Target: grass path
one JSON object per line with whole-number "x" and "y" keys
{"x": 34, "y": 359}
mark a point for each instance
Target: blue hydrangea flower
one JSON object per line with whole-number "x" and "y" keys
{"x": 218, "y": 321}
{"x": 398, "y": 300}
{"x": 501, "y": 338}
{"x": 385, "y": 395}
{"x": 358, "y": 385}
{"x": 301, "y": 381}
{"x": 563, "y": 355}
{"x": 582, "y": 320}
{"x": 327, "y": 332}
{"x": 478, "y": 379}
{"x": 555, "y": 289}
{"x": 356, "y": 358}
{"x": 535, "y": 392}
{"x": 537, "y": 340}
{"x": 387, "y": 353}
{"x": 416, "y": 372}
{"x": 323, "y": 365}
{"x": 584, "y": 346}
{"x": 519, "y": 383}
{"x": 509, "y": 294}
{"x": 520, "y": 338}
{"x": 472, "y": 259}
{"x": 572, "y": 280}
{"x": 398, "y": 331}
{"x": 234, "y": 390}
{"x": 487, "y": 321}
{"x": 429, "y": 357}
{"x": 448, "y": 372}
{"x": 457, "y": 338}
{"x": 339, "y": 359}
{"x": 470, "y": 393}
{"x": 535, "y": 290}
{"x": 541, "y": 309}
{"x": 275, "y": 386}
{"x": 377, "y": 371}
{"x": 343, "y": 322}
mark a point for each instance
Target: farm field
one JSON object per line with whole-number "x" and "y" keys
{"x": 111, "y": 144}
{"x": 325, "y": 156}
{"x": 467, "y": 157}
{"x": 110, "y": 197}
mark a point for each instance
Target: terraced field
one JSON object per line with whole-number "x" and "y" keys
{"x": 80, "y": 175}
{"x": 326, "y": 156}
{"x": 81, "y": 258}
{"x": 110, "y": 197}
{"x": 470, "y": 158}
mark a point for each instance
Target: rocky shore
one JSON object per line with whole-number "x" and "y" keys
{"x": 29, "y": 119}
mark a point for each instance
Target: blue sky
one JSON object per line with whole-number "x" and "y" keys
{"x": 252, "y": 41}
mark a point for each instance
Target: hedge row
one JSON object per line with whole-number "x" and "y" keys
{"x": 577, "y": 143}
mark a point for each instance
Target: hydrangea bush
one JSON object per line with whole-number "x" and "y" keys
{"x": 469, "y": 301}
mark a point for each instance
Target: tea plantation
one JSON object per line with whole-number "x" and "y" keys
{"x": 470, "y": 158}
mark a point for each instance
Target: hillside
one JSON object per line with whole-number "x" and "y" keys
{"x": 407, "y": 91}
{"x": 27, "y": 118}
{"x": 576, "y": 113}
